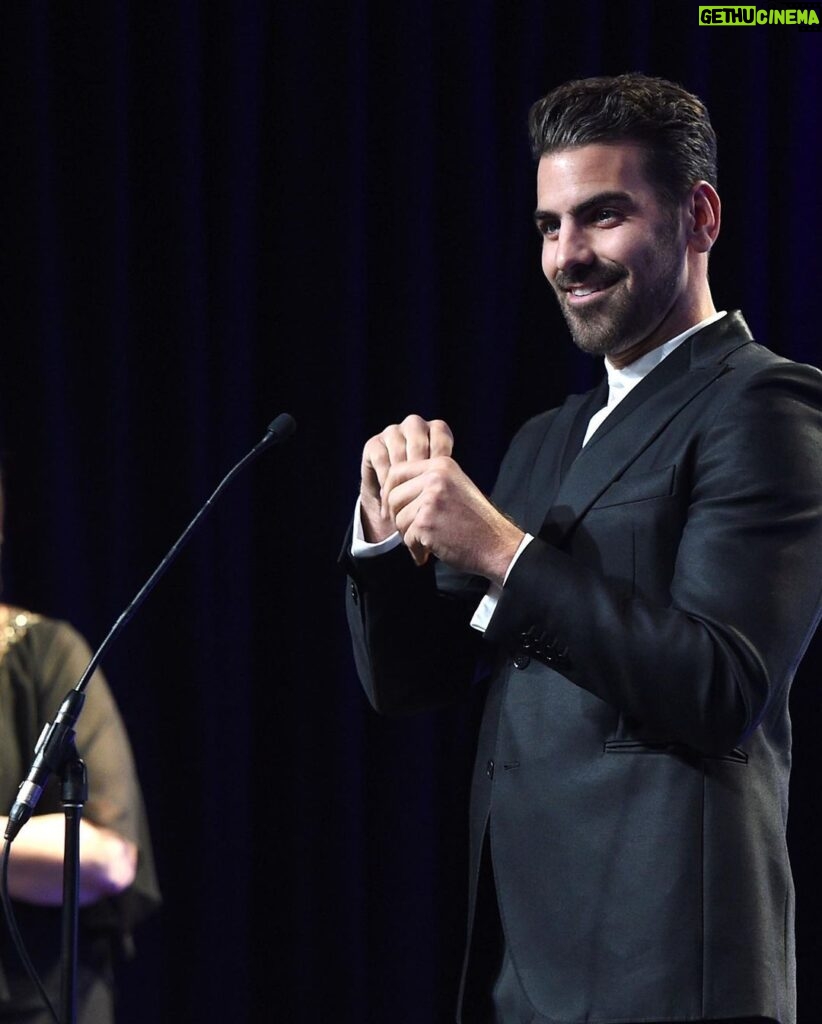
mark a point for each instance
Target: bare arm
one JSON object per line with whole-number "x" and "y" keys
{"x": 108, "y": 862}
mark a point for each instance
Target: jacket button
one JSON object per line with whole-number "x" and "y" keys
{"x": 521, "y": 660}
{"x": 355, "y": 595}
{"x": 489, "y": 769}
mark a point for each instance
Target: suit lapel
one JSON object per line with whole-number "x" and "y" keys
{"x": 559, "y": 448}
{"x": 594, "y": 401}
{"x": 639, "y": 419}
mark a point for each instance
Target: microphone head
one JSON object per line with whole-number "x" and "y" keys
{"x": 280, "y": 429}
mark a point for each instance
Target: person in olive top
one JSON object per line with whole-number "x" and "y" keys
{"x": 40, "y": 661}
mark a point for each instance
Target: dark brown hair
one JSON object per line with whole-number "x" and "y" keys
{"x": 672, "y": 124}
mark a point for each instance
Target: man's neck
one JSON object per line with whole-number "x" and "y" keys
{"x": 618, "y": 363}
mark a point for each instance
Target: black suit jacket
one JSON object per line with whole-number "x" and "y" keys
{"x": 633, "y": 760}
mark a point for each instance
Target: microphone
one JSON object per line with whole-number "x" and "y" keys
{"x": 56, "y": 740}
{"x": 279, "y": 429}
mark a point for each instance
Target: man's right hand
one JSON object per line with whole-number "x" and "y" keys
{"x": 409, "y": 441}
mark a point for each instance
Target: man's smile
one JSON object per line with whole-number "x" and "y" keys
{"x": 582, "y": 294}
{"x": 578, "y": 294}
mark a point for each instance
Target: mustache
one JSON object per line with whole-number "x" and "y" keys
{"x": 603, "y": 275}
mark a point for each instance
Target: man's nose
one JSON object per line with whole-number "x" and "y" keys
{"x": 573, "y": 247}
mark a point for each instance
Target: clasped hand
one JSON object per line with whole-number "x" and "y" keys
{"x": 410, "y": 483}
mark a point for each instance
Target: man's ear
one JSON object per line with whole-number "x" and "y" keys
{"x": 703, "y": 217}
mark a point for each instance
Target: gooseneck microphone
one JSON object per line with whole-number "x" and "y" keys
{"x": 56, "y": 739}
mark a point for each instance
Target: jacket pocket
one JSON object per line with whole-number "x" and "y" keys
{"x": 735, "y": 756}
{"x": 657, "y": 484}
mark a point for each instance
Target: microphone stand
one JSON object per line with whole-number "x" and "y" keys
{"x": 56, "y": 752}
{"x": 73, "y": 795}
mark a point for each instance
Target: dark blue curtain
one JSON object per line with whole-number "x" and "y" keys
{"x": 215, "y": 212}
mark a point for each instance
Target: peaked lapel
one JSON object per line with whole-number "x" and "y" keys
{"x": 640, "y": 418}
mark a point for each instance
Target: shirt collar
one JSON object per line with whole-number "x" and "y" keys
{"x": 621, "y": 381}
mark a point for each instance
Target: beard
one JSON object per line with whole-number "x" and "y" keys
{"x": 622, "y": 317}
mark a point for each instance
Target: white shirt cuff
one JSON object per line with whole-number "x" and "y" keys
{"x": 361, "y": 548}
{"x": 487, "y": 606}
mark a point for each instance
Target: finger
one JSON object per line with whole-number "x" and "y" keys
{"x": 413, "y": 520}
{"x": 380, "y": 453}
{"x": 393, "y": 440}
{"x": 419, "y": 552}
{"x": 402, "y": 472}
{"x": 402, "y": 488}
{"x": 434, "y": 474}
{"x": 413, "y": 539}
{"x": 376, "y": 462}
{"x": 441, "y": 440}
{"x": 416, "y": 432}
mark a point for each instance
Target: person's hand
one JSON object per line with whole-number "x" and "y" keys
{"x": 412, "y": 440}
{"x": 439, "y": 510}
{"x": 411, "y": 484}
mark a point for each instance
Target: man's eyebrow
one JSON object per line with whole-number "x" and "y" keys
{"x": 600, "y": 199}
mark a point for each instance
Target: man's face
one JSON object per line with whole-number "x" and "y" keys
{"x": 612, "y": 251}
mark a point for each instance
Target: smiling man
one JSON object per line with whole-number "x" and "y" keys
{"x": 643, "y": 582}
{"x": 615, "y": 252}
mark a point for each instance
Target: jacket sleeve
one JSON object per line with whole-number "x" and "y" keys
{"x": 708, "y": 666}
{"x": 413, "y": 645}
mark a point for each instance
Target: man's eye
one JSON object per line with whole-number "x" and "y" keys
{"x": 606, "y": 216}
{"x": 547, "y": 228}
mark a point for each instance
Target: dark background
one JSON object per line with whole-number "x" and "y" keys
{"x": 212, "y": 213}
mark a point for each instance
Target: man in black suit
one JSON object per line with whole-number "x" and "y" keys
{"x": 643, "y": 583}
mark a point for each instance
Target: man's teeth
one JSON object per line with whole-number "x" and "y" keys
{"x": 583, "y": 291}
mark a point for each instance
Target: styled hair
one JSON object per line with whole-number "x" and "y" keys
{"x": 670, "y": 123}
